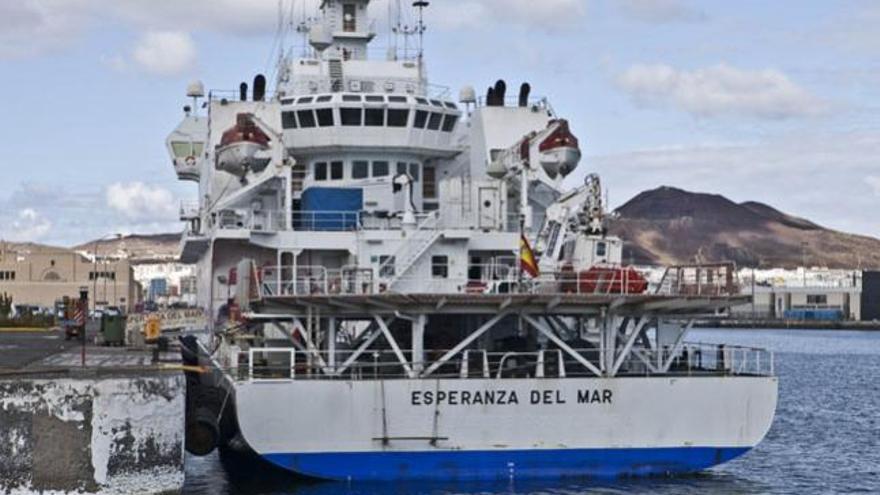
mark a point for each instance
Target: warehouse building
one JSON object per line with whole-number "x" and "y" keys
{"x": 41, "y": 275}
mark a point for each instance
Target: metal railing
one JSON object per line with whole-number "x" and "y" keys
{"x": 691, "y": 359}
{"x": 309, "y": 221}
{"x": 313, "y": 280}
{"x": 710, "y": 279}
{"x": 495, "y": 278}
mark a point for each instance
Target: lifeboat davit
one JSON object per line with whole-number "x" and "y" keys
{"x": 243, "y": 147}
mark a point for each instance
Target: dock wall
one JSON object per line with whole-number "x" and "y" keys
{"x": 102, "y": 432}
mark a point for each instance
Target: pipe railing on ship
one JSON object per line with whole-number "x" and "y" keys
{"x": 691, "y": 359}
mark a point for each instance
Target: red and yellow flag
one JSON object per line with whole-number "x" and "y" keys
{"x": 527, "y": 257}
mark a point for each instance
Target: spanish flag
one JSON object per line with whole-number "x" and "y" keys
{"x": 527, "y": 257}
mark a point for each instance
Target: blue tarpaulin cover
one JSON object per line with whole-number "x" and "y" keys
{"x": 330, "y": 208}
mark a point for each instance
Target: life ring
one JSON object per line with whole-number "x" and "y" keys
{"x": 190, "y": 161}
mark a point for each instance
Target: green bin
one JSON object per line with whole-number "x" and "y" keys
{"x": 113, "y": 328}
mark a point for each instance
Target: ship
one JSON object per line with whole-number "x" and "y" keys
{"x": 402, "y": 288}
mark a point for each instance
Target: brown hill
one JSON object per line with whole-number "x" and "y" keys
{"x": 140, "y": 248}
{"x": 671, "y": 226}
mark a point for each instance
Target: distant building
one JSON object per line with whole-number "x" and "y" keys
{"x": 39, "y": 275}
{"x": 188, "y": 285}
{"x": 158, "y": 288}
{"x": 821, "y": 298}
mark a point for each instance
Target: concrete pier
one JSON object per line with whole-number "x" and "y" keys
{"x": 114, "y": 426}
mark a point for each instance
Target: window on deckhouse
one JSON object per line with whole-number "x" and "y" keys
{"x": 349, "y": 17}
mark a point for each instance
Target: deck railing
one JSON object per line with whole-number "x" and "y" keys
{"x": 495, "y": 278}
{"x": 308, "y": 221}
{"x": 707, "y": 279}
{"x": 692, "y": 359}
{"x": 286, "y": 280}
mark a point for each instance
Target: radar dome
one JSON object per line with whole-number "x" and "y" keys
{"x": 467, "y": 95}
{"x": 195, "y": 89}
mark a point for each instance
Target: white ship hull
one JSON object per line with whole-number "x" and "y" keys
{"x": 493, "y": 429}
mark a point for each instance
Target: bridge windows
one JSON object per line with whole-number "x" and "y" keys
{"x": 434, "y": 121}
{"x": 336, "y": 170}
{"x": 351, "y": 116}
{"x": 360, "y": 169}
{"x": 7, "y": 275}
{"x": 449, "y": 122}
{"x": 380, "y": 169}
{"x": 397, "y": 117}
{"x": 324, "y": 172}
{"x": 412, "y": 169}
{"x": 320, "y": 171}
{"x": 288, "y": 120}
{"x": 306, "y": 118}
{"x": 325, "y": 117}
{"x": 421, "y": 119}
{"x": 374, "y": 117}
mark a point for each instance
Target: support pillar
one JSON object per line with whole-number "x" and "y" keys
{"x": 418, "y": 343}
{"x": 331, "y": 344}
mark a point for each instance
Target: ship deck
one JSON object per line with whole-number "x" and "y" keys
{"x": 354, "y": 305}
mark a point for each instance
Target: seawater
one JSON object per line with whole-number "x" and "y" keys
{"x": 825, "y": 438}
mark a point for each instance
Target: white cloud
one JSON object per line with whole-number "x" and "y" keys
{"x": 28, "y": 226}
{"x": 141, "y": 202}
{"x": 165, "y": 53}
{"x": 720, "y": 90}
{"x": 660, "y": 11}
{"x": 29, "y": 27}
{"x": 481, "y": 14}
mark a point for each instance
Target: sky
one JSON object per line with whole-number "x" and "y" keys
{"x": 777, "y": 102}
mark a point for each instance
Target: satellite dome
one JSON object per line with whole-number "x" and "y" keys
{"x": 467, "y": 95}
{"x": 195, "y": 89}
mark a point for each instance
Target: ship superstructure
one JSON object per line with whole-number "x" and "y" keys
{"x": 401, "y": 287}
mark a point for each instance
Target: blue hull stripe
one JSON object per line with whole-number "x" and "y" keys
{"x": 504, "y": 464}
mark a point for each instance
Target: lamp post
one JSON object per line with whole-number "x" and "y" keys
{"x": 95, "y": 246}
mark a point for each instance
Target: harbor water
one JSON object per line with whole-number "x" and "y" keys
{"x": 825, "y": 438}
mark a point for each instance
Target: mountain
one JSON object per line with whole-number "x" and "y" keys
{"x": 672, "y": 226}
{"x": 140, "y": 248}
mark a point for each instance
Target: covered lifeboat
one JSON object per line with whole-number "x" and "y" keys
{"x": 243, "y": 148}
